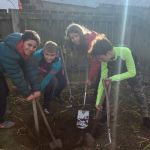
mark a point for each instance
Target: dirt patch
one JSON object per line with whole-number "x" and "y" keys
{"x": 130, "y": 134}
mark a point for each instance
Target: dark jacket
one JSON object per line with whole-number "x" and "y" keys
{"x": 23, "y": 73}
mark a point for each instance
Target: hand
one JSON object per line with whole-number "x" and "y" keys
{"x": 107, "y": 82}
{"x": 37, "y": 94}
{"x": 88, "y": 82}
{"x": 99, "y": 107}
{"x": 30, "y": 97}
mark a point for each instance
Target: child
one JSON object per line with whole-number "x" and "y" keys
{"x": 50, "y": 67}
{"x": 80, "y": 40}
{"x": 117, "y": 64}
{"x": 17, "y": 62}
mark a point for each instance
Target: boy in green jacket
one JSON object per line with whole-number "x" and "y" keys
{"x": 117, "y": 63}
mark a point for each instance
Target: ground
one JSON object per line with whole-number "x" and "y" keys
{"x": 130, "y": 134}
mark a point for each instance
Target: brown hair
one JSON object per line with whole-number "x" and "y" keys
{"x": 51, "y": 46}
{"x": 101, "y": 46}
{"x": 82, "y": 31}
{"x": 31, "y": 35}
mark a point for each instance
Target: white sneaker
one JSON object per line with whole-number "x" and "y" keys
{"x": 46, "y": 111}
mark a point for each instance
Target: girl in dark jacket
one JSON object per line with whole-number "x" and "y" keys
{"x": 17, "y": 63}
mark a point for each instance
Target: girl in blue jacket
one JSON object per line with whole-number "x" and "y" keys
{"x": 17, "y": 63}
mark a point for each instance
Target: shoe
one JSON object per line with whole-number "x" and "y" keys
{"x": 6, "y": 124}
{"x": 46, "y": 111}
{"x": 146, "y": 122}
{"x": 69, "y": 105}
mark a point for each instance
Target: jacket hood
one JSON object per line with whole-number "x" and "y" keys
{"x": 12, "y": 39}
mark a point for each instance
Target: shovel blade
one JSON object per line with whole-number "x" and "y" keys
{"x": 82, "y": 119}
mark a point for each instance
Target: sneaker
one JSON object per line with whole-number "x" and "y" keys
{"x": 6, "y": 124}
{"x": 69, "y": 104}
{"x": 46, "y": 111}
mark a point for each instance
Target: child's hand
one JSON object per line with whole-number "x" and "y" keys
{"x": 37, "y": 94}
{"x": 99, "y": 107}
{"x": 107, "y": 82}
{"x": 30, "y": 97}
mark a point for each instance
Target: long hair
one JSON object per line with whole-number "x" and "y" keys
{"x": 82, "y": 31}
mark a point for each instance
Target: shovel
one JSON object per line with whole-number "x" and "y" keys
{"x": 107, "y": 88}
{"x": 83, "y": 115}
{"x": 56, "y": 143}
{"x": 35, "y": 117}
{"x": 71, "y": 98}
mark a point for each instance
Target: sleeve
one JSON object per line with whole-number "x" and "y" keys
{"x": 32, "y": 73}
{"x": 104, "y": 72}
{"x": 16, "y": 74}
{"x": 38, "y": 54}
{"x": 56, "y": 67}
{"x": 131, "y": 70}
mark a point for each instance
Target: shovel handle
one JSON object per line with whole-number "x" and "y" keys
{"x": 97, "y": 113}
{"x": 64, "y": 65}
{"x": 35, "y": 117}
{"x": 107, "y": 94}
{"x": 66, "y": 73}
{"x": 97, "y": 116}
{"x": 84, "y": 98}
{"x": 46, "y": 122}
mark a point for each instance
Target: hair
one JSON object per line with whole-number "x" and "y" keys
{"x": 31, "y": 35}
{"x": 98, "y": 37}
{"x": 76, "y": 28}
{"x": 50, "y": 46}
{"x": 82, "y": 31}
{"x": 101, "y": 46}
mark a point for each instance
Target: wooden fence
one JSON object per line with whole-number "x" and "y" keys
{"x": 51, "y": 26}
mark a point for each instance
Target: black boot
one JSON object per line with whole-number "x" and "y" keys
{"x": 146, "y": 122}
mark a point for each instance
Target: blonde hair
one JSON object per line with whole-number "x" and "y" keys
{"x": 50, "y": 46}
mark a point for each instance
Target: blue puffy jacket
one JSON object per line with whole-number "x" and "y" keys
{"x": 23, "y": 73}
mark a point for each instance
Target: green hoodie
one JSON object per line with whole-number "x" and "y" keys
{"x": 125, "y": 54}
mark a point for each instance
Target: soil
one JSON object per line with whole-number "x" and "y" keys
{"x": 130, "y": 134}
